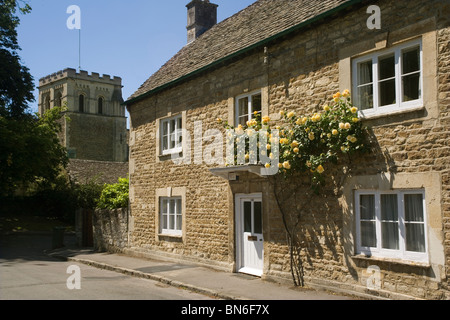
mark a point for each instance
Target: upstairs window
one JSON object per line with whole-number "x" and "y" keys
{"x": 171, "y": 135}
{"x": 81, "y": 103}
{"x": 389, "y": 81}
{"x": 392, "y": 224}
{"x": 58, "y": 99}
{"x": 47, "y": 103}
{"x": 100, "y": 105}
{"x": 246, "y": 106}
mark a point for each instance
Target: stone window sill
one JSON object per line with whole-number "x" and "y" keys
{"x": 374, "y": 116}
{"x": 173, "y": 236}
{"x": 171, "y": 155}
{"x": 362, "y": 257}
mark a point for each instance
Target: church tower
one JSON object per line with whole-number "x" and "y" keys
{"x": 97, "y": 126}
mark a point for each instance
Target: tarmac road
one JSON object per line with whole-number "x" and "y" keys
{"x": 27, "y": 273}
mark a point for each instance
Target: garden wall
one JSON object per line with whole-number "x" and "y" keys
{"x": 110, "y": 229}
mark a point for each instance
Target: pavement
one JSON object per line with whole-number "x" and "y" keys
{"x": 199, "y": 279}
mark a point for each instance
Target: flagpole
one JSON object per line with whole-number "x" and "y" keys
{"x": 79, "y": 49}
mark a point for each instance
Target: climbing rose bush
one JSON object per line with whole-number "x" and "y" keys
{"x": 311, "y": 143}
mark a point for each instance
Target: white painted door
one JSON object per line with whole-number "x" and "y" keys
{"x": 250, "y": 239}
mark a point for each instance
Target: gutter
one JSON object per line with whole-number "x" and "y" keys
{"x": 286, "y": 32}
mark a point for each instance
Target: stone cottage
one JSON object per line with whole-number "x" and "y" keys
{"x": 384, "y": 229}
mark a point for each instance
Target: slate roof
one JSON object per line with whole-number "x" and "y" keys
{"x": 260, "y": 21}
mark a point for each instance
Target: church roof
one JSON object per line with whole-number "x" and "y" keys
{"x": 254, "y": 26}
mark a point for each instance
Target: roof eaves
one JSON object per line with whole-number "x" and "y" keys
{"x": 286, "y": 32}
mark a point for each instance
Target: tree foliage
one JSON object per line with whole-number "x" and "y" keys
{"x": 16, "y": 82}
{"x": 31, "y": 150}
{"x": 114, "y": 196}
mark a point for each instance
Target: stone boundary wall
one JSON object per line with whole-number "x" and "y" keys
{"x": 110, "y": 228}
{"x": 83, "y": 171}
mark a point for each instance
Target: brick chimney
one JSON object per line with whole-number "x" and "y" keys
{"x": 202, "y": 15}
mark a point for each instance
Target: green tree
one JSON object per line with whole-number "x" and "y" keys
{"x": 30, "y": 150}
{"x": 16, "y": 82}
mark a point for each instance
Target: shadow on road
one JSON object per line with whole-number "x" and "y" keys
{"x": 28, "y": 246}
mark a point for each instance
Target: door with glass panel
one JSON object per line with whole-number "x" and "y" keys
{"x": 249, "y": 234}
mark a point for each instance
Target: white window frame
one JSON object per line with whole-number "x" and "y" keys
{"x": 250, "y": 110}
{"x": 173, "y": 134}
{"x": 399, "y": 106}
{"x": 379, "y": 251}
{"x": 177, "y": 230}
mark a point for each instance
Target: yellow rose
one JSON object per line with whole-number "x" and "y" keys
{"x": 354, "y": 110}
{"x": 282, "y": 113}
{"x": 341, "y": 125}
{"x": 286, "y": 165}
{"x": 268, "y": 146}
{"x": 355, "y": 120}
{"x": 284, "y": 141}
{"x": 326, "y": 108}
{"x": 291, "y": 114}
{"x": 267, "y": 165}
{"x": 316, "y": 117}
{"x": 247, "y": 156}
{"x": 336, "y": 96}
{"x": 311, "y": 136}
{"x": 265, "y": 120}
{"x": 346, "y": 93}
{"x": 320, "y": 169}
{"x": 335, "y": 132}
{"x": 296, "y": 150}
{"x": 294, "y": 144}
{"x": 347, "y": 126}
{"x": 299, "y": 122}
{"x": 280, "y": 165}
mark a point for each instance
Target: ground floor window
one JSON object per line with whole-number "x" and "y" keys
{"x": 392, "y": 224}
{"x": 171, "y": 216}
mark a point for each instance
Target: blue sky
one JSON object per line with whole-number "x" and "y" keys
{"x": 129, "y": 39}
